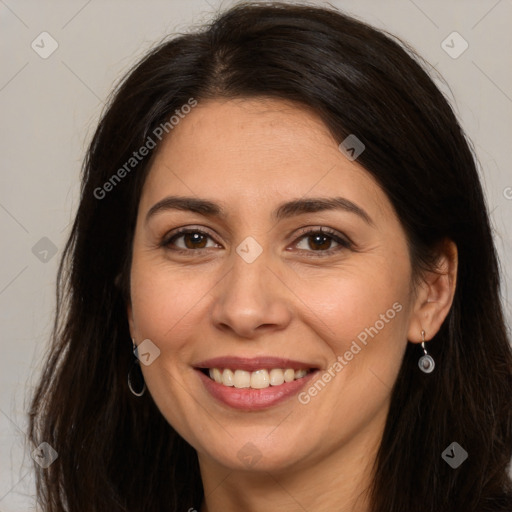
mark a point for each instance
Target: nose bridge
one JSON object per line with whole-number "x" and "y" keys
{"x": 250, "y": 296}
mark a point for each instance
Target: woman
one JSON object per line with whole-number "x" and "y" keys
{"x": 280, "y": 288}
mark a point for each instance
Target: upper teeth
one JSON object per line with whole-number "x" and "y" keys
{"x": 257, "y": 380}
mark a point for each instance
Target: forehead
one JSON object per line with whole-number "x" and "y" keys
{"x": 256, "y": 152}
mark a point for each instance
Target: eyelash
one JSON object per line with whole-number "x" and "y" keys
{"x": 344, "y": 243}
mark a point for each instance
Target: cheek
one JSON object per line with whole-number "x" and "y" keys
{"x": 354, "y": 298}
{"x": 162, "y": 300}
{"x": 165, "y": 308}
{"x": 360, "y": 311}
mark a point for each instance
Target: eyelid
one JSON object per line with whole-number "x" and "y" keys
{"x": 334, "y": 233}
{"x": 176, "y": 233}
{"x": 341, "y": 239}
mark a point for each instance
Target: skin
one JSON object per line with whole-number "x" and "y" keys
{"x": 251, "y": 155}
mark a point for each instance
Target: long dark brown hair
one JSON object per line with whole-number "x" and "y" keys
{"x": 116, "y": 451}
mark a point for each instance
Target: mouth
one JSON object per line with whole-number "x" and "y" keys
{"x": 255, "y": 383}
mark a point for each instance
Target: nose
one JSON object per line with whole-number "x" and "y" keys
{"x": 251, "y": 299}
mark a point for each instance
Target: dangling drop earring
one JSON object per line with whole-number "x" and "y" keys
{"x": 136, "y": 381}
{"x": 426, "y": 362}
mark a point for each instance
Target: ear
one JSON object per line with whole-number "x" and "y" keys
{"x": 434, "y": 295}
{"x": 131, "y": 323}
{"x": 129, "y": 310}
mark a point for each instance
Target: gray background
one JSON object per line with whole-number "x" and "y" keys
{"x": 50, "y": 108}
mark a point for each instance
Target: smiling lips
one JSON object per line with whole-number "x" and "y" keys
{"x": 253, "y": 383}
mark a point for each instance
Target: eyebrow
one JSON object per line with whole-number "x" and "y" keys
{"x": 283, "y": 211}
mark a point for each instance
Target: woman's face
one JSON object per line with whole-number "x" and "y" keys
{"x": 255, "y": 291}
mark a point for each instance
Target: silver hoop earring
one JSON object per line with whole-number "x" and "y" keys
{"x": 426, "y": 362}
{"x": 136, "y": 382}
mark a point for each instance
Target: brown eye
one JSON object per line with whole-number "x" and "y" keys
{"x": 194, "y": 240}
{"x": 320, "y": 241}
{"x": 188, "y": 239}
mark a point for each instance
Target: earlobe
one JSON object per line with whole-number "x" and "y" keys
{"x": 435, "y": 295}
